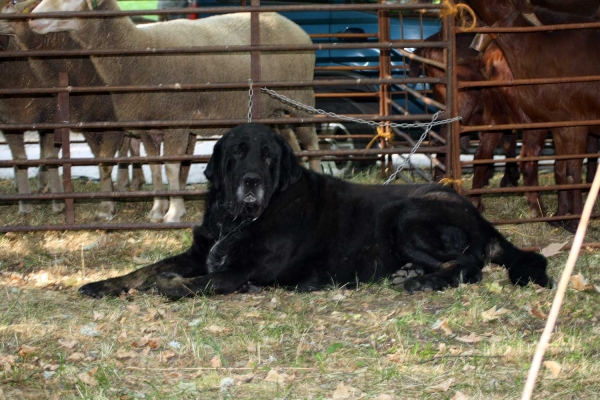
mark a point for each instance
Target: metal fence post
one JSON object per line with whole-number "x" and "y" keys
{"x": 63, "y": 116}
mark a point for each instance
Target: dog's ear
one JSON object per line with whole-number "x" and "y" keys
{"x": 213, "y": 168}
{"x": 290, "y": 169}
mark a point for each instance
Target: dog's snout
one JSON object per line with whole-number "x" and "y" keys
{"x": 252, "y": 180}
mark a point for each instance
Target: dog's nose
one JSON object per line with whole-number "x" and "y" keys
{"x": 251, "y": 180}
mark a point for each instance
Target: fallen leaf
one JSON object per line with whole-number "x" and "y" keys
{"x": 122, "y": 337}
{"x": 141, "y": 260}
{"x": 494, "y": 287}
{"x": 7, "y": 361}
{"x": 125, "y": 355}
{"x": 554, "y": 367}
{"x": 553, "y": 249}
{"x": 345, "y": 392}
{"x": 167, "y": 355}
{"x": 141, "y": 342}
{"x": 25, "y": 350}
{"x": 396, "y": 357}
{"x": 442, "y": 325}
{"x": 384, "y": 396}
{"x": 69, "y": 344}
{"x": 134, "y": 308}
{"x": 153, "y": 344}
{"x": 76, "y": 357}
{"x": 578, "y": 282}
{"x": 459, "y": 396}
{"x": 536, "y": 311}
{"x": 274, "y": 376}
{"x": 472, "y": 338}
{"x": 493, "y": 313}
{"x": 245, "y": 378}
{"x": 87, "y": 379}
{"x": 97, "y": 316}
{"x": 217, "y": 329}
{"x": 441, "y": 387}
{"x": 215, "y": 362}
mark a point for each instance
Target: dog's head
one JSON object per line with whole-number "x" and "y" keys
{"x": 249, "y": 164}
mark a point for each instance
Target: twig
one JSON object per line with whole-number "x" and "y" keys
{"x": 561, "y": 290}
{"x": 459, "y": 356}
{"x": 216, "y": 369}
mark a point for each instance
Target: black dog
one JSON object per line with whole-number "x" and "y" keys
{"x": 269, "y": 221}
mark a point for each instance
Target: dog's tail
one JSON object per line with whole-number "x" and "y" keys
{"x": 523, "y": 266}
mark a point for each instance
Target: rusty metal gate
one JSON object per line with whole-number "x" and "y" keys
{"x": 392, "y": 93}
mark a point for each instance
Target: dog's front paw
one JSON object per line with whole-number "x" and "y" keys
{"x": 100, "y": 289}
{"x": 172, "y": 285}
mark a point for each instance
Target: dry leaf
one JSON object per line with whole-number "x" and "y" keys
{"x": 141, "y": 260}
{"x": 134, "y": 308}
{"x": 125, "y": 355}
{"x": 25, "y": 350}
{"x": 274, "y": 376}
{"x": 69, "y": 344}
{"x": 384, "y": 396}
{"x": 153, "y": 344}
{"x": 217, "y": 329}
{"x": 472, "y": 338}
{"x": 122, "y": 337}
{"x": 493, "y": 313}
{"x": 141, "y": 342}
{"x": 396, "y": 357}
{"x": 578, "y": 282}
{"x": 442, "y": 325}
{"x": 245, "y": 378}
{"x": 76, "y": 357}
{"x": 441, "y": 387}
{"x": 167, "y": 355}
{"x": 459, "y": 396}
{"x": 215, "y": 362}
{"x": 345, "y": 392}
{"x": 553, "y": 249}
{"x": 554, "y": 367}
{"x": 97, "y": 316}
{"x": 7, "y": 361}
{"x": 87, "y": 379}
{"x": 494, "y": 287}
{"x": 536, "y": 311}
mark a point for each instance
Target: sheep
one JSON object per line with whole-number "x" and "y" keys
{"x": 25, "y": 109}
{"x": 230, "y": 29}
{"x": 84, "y": 107}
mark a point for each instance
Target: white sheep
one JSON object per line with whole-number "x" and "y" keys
{"x": 229, "y": 29}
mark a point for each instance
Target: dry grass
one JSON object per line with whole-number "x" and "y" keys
{"x": 375, "y": 341}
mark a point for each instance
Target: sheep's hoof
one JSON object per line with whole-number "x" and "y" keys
{"x": 106, "y": 211}
{"x": 173, "y": 217}
{"x": 58, "y": 207}
{"x": 25, "y": 208}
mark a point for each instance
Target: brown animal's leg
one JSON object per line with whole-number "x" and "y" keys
{"x": 592, "y": 163}
{"x": 152, "y": 141}
{"x": 56, "y": 185}
{"x": 176, "y": 143}
{"x": 123, "y": 168}
{"x": 511, "y": 172}
{"x": 16, "y": 144}
{"x": 137, "y": 173}
{"x": 186, "y": 165}
{"x": 488, "y": 141}
{"x": 533, "y": 144}
{"x": 571, "y": 141}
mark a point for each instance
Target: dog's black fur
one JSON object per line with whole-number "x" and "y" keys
{"x": 269, "y": 221}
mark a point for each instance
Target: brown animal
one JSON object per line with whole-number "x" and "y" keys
{"x": 470, "y": 105}
{"x": 547, "y": 55}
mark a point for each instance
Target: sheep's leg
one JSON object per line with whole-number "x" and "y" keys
{"x": 152, "y": 143}
{"x": 105, "y": 144}
{"x": 42, "y": 174}
{"x": 307, "y": 136}
{"x": 186, "y": 165}
{"x": 123, "y": 169}
{"x": 50, "y": 152}
{"x": 177, "y": 143}
{"x": 137, "y": 173}
{"x": 16, "y": 143}
{"x": 533, "y": 144}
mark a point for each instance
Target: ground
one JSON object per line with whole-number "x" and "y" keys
{"x": 377, "y": 342}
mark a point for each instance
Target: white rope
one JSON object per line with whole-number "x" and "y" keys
{"x": 250, "y": 94}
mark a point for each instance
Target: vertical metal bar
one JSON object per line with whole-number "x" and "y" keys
{"x": 255, "y": 57}
{"x": 63, "y": 115}
{"x": 385, "y": 95}
{"x": 453, "y": 169}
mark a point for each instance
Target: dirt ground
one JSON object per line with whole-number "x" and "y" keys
{"x": 377, "y": 342}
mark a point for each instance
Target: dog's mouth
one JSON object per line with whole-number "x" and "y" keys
{"x": 250, "y": 198}
{"x": 248, "y": 202}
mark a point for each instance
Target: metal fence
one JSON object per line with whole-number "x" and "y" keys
{"x": 392, "y": 92}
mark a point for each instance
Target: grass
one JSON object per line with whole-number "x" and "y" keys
{"x": 127, "y": 5}
{"x": 369, "y": 343}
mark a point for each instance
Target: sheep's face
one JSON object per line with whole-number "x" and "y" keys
{"x": 47, "y": 25}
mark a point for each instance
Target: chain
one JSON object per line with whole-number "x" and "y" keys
{"x": 250, "y": 94}
{"x": 427, "y": 125}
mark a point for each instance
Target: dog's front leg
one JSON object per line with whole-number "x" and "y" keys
{"x": 222, "y": 282}
{"x": 189, "y": 264}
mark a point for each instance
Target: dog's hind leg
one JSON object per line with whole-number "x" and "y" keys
{"x": 451, "y": 274}
{"x": 224, "y": 282}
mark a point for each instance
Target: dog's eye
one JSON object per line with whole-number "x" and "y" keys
{"x": 240, "y": 150}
